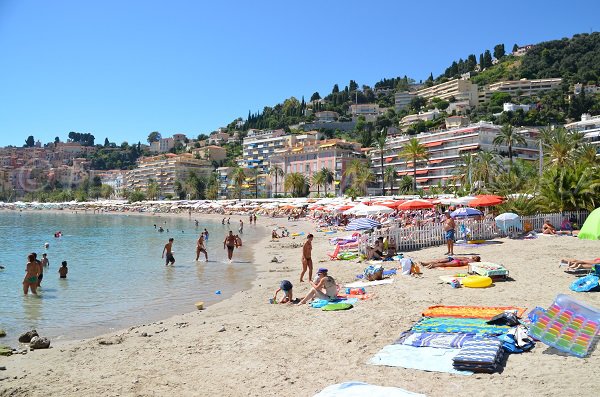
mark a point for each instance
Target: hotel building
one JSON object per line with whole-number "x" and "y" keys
{"x": 459, "y": 89}
{"x": 590, "y": 127}
{"x": 445, "y": 149}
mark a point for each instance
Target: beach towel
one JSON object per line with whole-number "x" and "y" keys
{"x": 482, "y": 355}
{"x": 463, "y": 325}
{"x": 488, "y": 269}
{"x": 485, "y": 312}
{"x": 319, "y": 303}
{"x": 464, "y": 267}
{"x": 358, "y": 284}
{"x": 333, "y": 307}
{"x": 360, "y": 389}
{"x": 438, "y": 340}
{"x": 362, "y": 297}
{"x": 422, "y": 358}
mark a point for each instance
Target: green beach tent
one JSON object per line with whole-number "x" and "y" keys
{"x": 591, "y": 227}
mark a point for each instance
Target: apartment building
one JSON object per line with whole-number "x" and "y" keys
{"x": 445, "y": 149}
{"x": 590, "y": 127}
{"x": 309, "y": 157}
{"x": 163, "y": 145}
{"x": 523, "y": 87}
{"x": 414, "y": 118}
{"x": 458, "y": 89}
{"x": 511, "y": 107}
{"x": 210, "y": 153}
{"x": 165, "y": 170}
{"x": 258, "y": 147}
{"x": 369, "y": 111}
{"x": 402, "y": 100}
{"x": 327, "y": 116}
{"x": 113, "y": 178}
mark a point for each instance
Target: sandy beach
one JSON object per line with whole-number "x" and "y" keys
{"x": 244, "y": 346}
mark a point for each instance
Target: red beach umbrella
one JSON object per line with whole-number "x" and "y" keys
{"x": 485, "y": 201}
{"x": 415, "y": 204}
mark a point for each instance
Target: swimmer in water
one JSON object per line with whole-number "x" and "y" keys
{"x": 169, "y": 250}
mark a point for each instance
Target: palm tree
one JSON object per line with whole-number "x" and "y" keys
{"x": 464, "y": 173}
{"x": 390, "y": 177}
{"x": 560, "y": 145}
{"x": 486, "y": 166}
{"x": 152, "y": 189}
{"x": 510, "y": 137}
{"x": 328, "y": 177}
{"x": 363, "y": 178}
{"x": 415, "y": 152}
{"x": 239, "y": 177}
{"x": 277, "y": 171}
{"x": 405, "y": 184}
{"x": 318, "y": 179}
{"x": 295, "y": 182}
{"x": 563, "y": 189}
{"x": 380, "y": 139}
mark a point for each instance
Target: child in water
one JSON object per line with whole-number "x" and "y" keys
{"x": 63, "y": 270}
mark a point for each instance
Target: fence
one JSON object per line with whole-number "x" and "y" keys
{"x": 432, "y": 234}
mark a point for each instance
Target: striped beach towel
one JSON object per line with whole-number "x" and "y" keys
{"x": 458, "y": 325}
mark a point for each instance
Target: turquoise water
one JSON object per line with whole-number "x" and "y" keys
{"x": 116, "y": 275}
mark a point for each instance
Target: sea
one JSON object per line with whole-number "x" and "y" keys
{"x": 116, "y": 275}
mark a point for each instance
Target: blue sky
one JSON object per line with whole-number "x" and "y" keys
{"x": 121, "y": 69}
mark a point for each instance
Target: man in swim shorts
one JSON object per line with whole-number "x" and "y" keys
{"x": 449, "y": 227}
{"x": 307, "y": 258}
{"x": 229, "y": 243}
{"x": 241, "y": 228}
{"x": 451, "y": 261}
{"x": 169, "y": 250}
{"x": 200, "y": 247}
{"x": 32, "y": 269}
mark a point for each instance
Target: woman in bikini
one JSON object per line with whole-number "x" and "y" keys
{"x": 451, "y": 261}
{"x": 32, "y": 270}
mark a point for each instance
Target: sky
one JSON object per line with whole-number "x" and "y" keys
{"x": 122, "y": 69}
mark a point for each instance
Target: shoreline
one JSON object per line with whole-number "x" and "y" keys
{"x": 83, "y": 336}
{"x": 243, "y": 346}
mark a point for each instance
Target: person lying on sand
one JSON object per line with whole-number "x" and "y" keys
{"x": 451, "y": 261}
{"x": 575, "y": 264}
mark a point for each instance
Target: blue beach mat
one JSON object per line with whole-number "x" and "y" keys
{"x": 454, "y": 325}
{"x": 319, "y": 303}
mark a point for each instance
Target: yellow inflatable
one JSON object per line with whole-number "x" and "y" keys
{"x": 476, "y": 281}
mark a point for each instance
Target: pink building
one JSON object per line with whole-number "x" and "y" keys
{"x": 334, "y": 154}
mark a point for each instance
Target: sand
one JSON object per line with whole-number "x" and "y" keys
{"x": 244, "y": 346}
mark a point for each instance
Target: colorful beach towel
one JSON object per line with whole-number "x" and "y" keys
{"x": 458, "y": 325}
{"x": 488, "y": 269}
{"x": 482, "y": 355}
{"x": 438, "y": 340}
{"x": 485, "y": 312}
{"x": 319, "y": 303}
{"x": 389, "y": 272}
{"x": 422, "y": 358}
{"x": 362, "y": 297}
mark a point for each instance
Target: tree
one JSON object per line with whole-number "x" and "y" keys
{"x": 152, "y": 189}
{"x": 380, "y": 140}
{"x": 515, "y": 47}
{"x": 276, "y": 171}
{"x": 487, "y": 59}
{"x": 363, "y": 178}
{"x": 315, "y": 97}
{"x": 56, "y": 140}
{"x": 239, "y": 177}
{"x": 417, "y": 102}
{"x": 106, "y": 191}
{"x": 560, "y": 146}
{"x": 154, "y": 136}
{"x": 30, "y": 141}
{"x": 295, "y": 182}
{"x": 202, "y": 137}
{"x": 335, "y": 89}
{"x": 106, "y": 142}
{"x": 509, "y": 136}
{"x": 499, "y": 51}
{"x": 390, "y": 177}
{"x": 414, "y": 152}
{"x": 486, "y": 166}
{"x": 328, "y": 177}
{"x": 318, "y": 179}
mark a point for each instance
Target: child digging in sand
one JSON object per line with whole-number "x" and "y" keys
{"x": 286, "y": 287}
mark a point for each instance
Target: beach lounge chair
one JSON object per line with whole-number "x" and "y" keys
{"x": 334, "y": 256}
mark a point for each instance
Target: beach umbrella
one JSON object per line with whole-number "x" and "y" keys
{"x": 591, "y": 227}
{"x": 373, "y": 209}
{"x": 344, "y": 207}
{"x": 465, "y": 212}
{"x": 362, "y": 224}
{"x": 415, "y": 204}
{"x": 508, "y": 220}
{"x": 485, "y": 201}
{"x": 355, "y": 209}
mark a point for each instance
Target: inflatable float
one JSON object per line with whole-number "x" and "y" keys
{"x": 476, "y": 281}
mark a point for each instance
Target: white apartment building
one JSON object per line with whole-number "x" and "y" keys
{"x": 369, "y": 111}
{"x": 459, "y": 89}
{"x": 402, "y": 100}
{"x": 327, "y": 116}
{"x": 588, "y": 89}
{"x": 524, "y": 87}
{"x": 414, "y": 118}
{"x": 445, "y": 150}
{"x": 511, "y": 107}
{"x": 590, "y": 127}
{"x": 165, "y": 170}
{"x": 261, "y": 145}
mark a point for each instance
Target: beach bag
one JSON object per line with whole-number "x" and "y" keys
{"x": 406, "y": 264}
{"x": 373, "y": 273}
{"x": 415, "y": 269}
